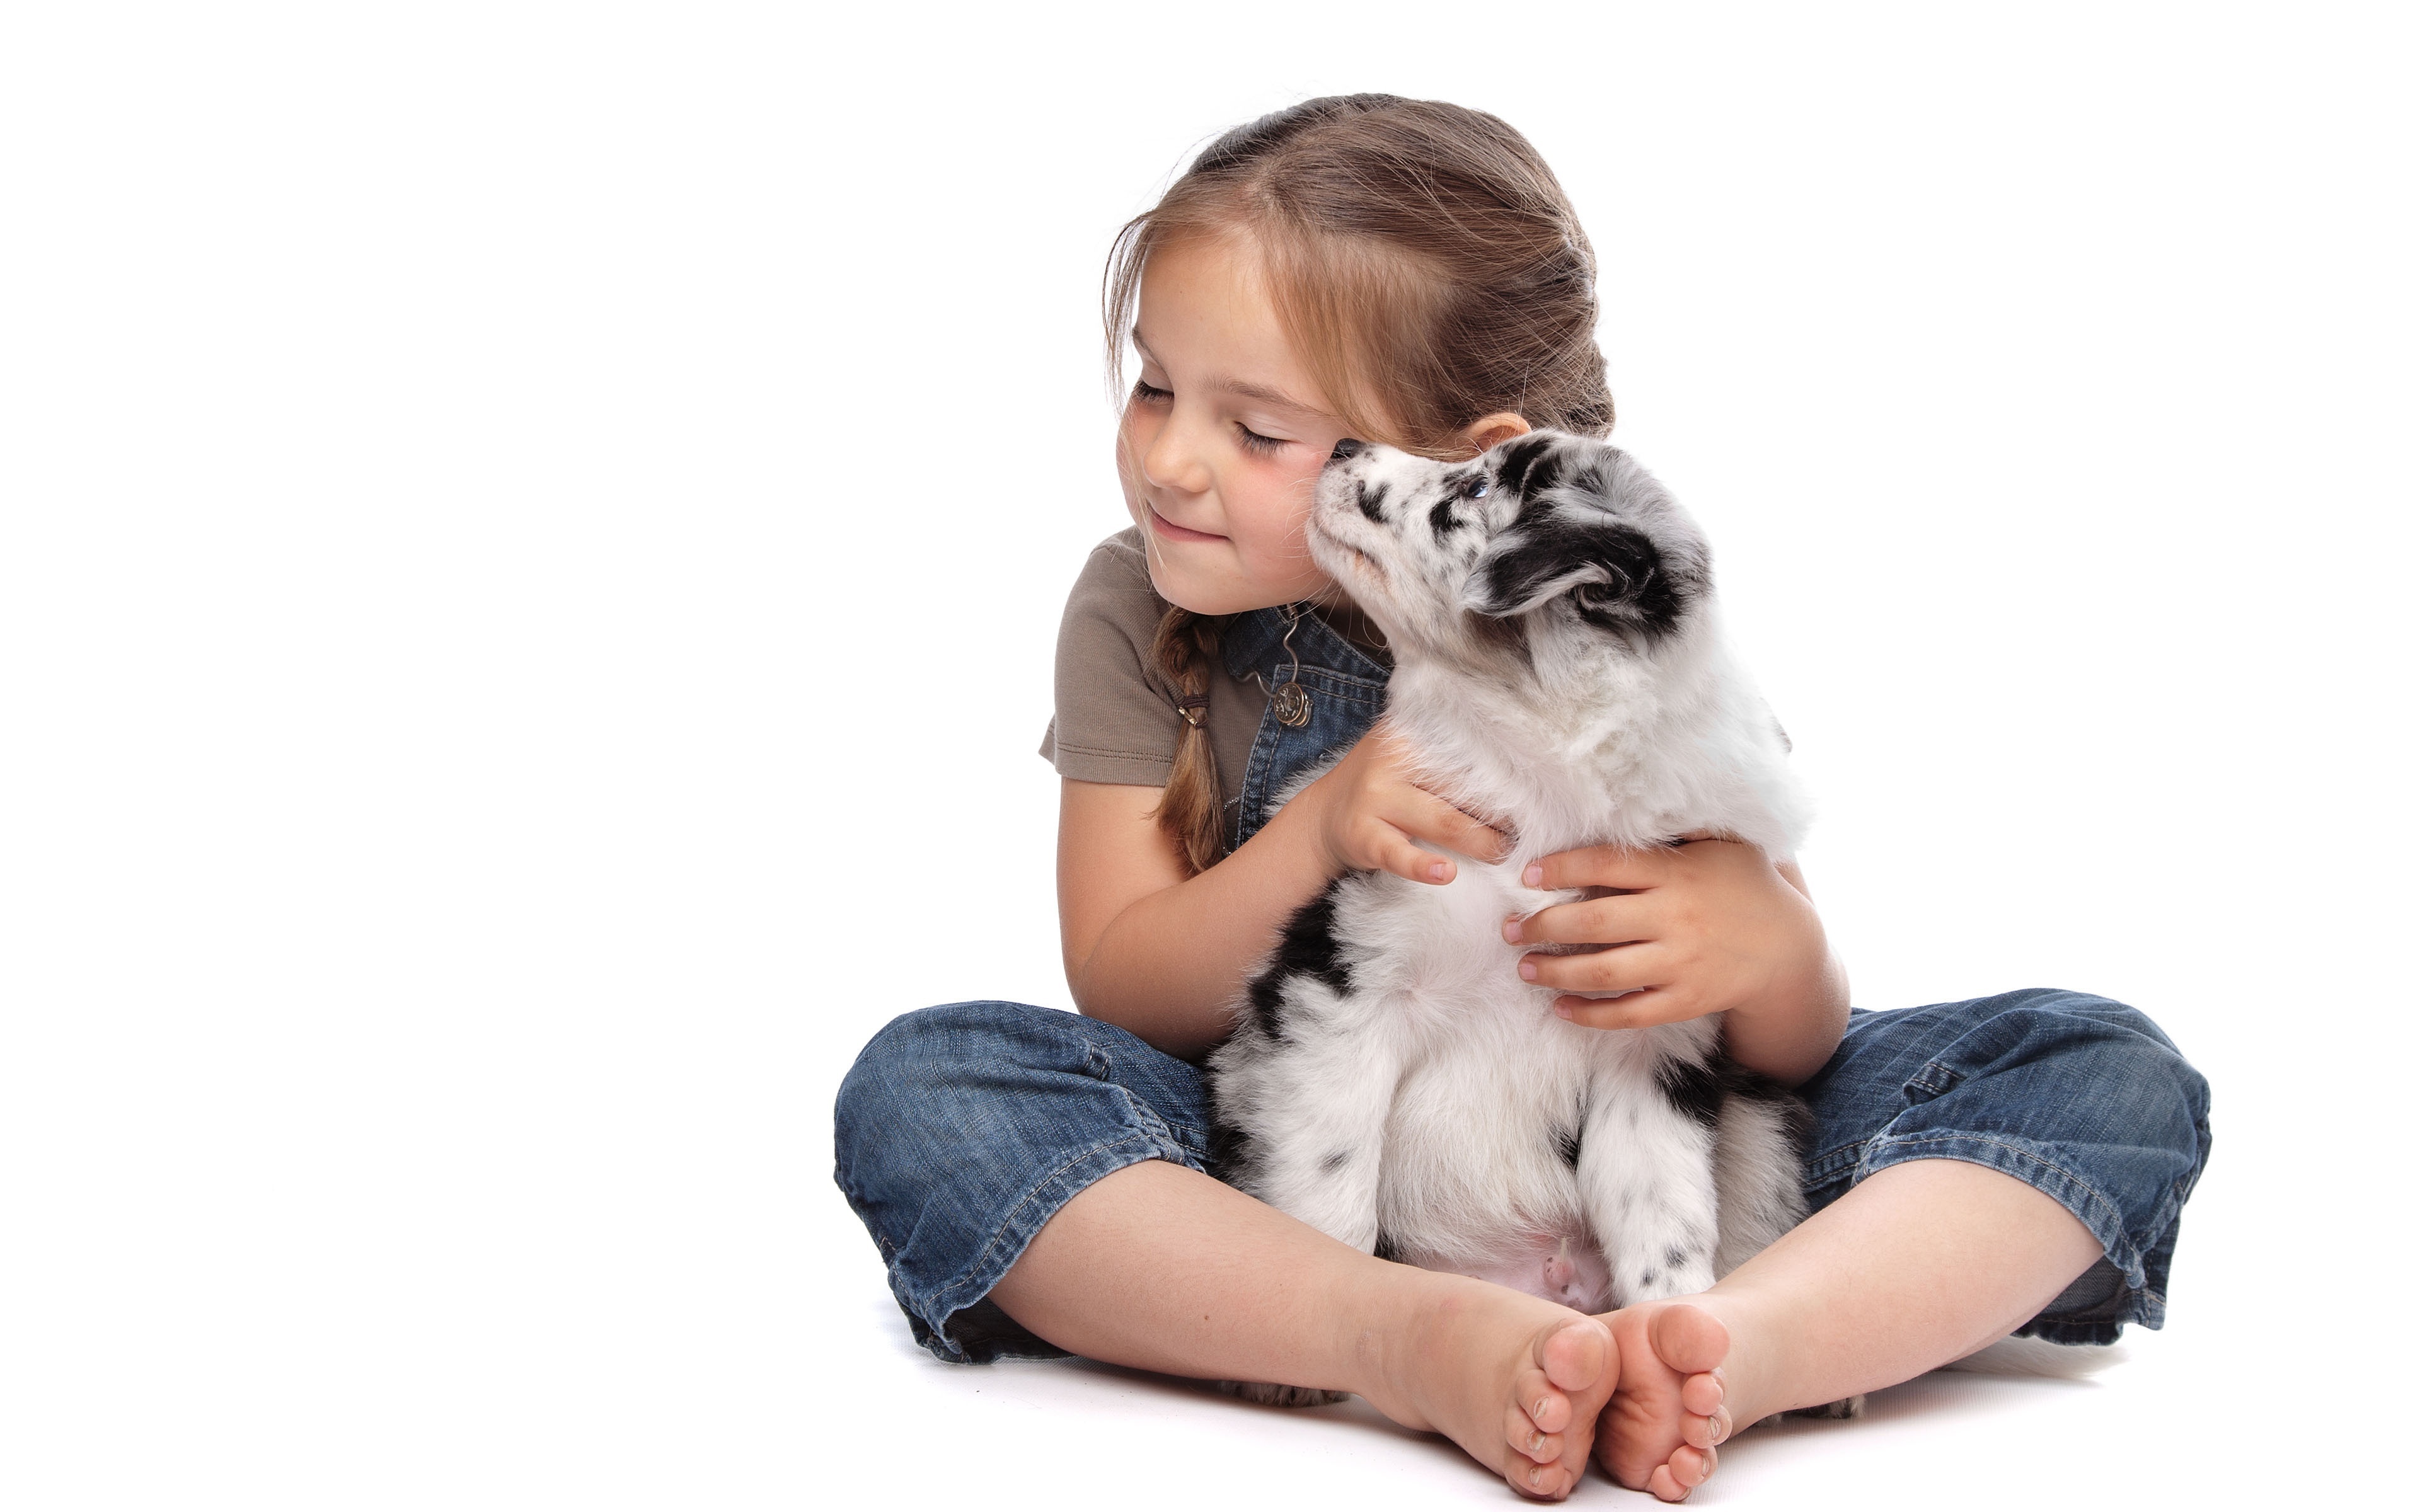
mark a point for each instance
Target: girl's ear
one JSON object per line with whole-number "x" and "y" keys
{"x": 1493, "y": 430}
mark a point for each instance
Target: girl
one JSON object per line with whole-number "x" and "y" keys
{"x": 1411, "y": 273}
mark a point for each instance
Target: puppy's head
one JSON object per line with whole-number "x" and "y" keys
{"x": 1548, "y": 539}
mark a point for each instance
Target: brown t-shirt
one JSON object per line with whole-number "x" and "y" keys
{"x": 1116, "y": 719}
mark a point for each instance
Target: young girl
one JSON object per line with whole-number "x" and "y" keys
{"x": 1410, "y": 272}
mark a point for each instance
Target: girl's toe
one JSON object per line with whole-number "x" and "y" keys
{"x": 1529, "y": 1440}
{"x": 1542, "y": 1401}
{"x": 1547, "y": 1483}
{"x": 1701, "y": 1395}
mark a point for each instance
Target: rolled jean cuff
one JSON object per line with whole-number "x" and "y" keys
{"x": 962, "y": 1129}
{"x": 2128, "y": 1284}
{"x": 955, "y": 1321}
{"x": 2080, "y": 1098}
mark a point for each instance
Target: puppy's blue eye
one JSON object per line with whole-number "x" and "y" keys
{"x": 1474, "y": 488}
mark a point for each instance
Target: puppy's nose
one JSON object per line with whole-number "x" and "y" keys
{"x": 1348, "y": 447}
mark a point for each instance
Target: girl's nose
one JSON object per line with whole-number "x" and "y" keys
{"x": 1171, "y": 460}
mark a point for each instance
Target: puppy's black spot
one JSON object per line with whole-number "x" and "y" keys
{"x": 1370, "y": 499}
{"x": 1267, "y": 994}
{"x": 1386, "y": 1249}
{"x": 1646, "y": 1279}
{"x": 1639, "y": 592}
{"x": 1676, "y": 1256}
{"x": 1308, "y": 949}
{"x": 1693, "y": 1090}
{"x": 1567, "y": 1144}
{"x": 1441, "y": 518}
{"x": 1308, "y": 946}
{"x": 1233, "y": 1158}
{"x": 1335, "y": 1161}
{"x": 1635, "y": 591}
{"x": 1531, "y": 465}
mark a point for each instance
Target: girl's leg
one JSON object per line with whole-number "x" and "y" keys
{"x": 2011, "y": 1163}
{"x": 1033, "y": 1182}
{"x": 1161, "y": 1267}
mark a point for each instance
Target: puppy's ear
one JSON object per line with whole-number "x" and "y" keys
{"x": 1615, "y": 576}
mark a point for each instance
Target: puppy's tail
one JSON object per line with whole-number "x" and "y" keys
{"x": 2014, "y": 1356}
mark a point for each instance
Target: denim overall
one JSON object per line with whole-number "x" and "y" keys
{"x": 961, "y": 1130}
{"x": 1339, "y": 693}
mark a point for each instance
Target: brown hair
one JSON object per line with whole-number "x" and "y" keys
{"x": 1429, "y": 270}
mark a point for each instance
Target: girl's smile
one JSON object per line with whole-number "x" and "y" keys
{"x": 1161, "y": 525}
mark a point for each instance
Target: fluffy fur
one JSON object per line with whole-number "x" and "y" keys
{"x": 1559, "y": 671}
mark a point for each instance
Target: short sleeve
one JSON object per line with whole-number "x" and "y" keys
{"x": 1113, "y": 721}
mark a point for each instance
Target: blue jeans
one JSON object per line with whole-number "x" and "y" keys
{"x": 962, "y": 1129}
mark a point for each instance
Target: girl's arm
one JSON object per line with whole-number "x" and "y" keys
{"x": 1147, "y": 949}
{"x": 1163, "y": 955}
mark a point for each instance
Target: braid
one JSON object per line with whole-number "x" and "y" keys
{"x": 1189, "y": 804}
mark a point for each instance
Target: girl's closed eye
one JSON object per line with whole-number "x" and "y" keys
{"x": 1254, "y": 441}
{"x": 1145, "y": 393}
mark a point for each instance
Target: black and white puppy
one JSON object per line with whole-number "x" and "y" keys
{"x": 1559, "y": 673}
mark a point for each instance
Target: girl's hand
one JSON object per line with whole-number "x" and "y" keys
{"x": 1700, "y": 927}
{"x": 1372, "y": 817}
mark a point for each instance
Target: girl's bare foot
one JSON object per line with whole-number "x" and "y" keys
{"x": 1517, "y": 1381}
{"x": 1671, "y": 1407}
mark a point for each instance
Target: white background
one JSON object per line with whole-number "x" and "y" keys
{"x": 530, "y": 544}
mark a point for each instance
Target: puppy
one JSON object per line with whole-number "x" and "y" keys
{"x": 1561, "y": 674}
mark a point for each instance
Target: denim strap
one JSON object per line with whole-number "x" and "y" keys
{"x": 1346, "y": 691}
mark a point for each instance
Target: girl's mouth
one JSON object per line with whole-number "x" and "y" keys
{"x": 1173, "y": 531}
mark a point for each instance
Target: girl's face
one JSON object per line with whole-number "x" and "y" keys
{"x": 1223, "y": 437}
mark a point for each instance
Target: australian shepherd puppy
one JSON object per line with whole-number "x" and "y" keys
{"x": 1560, "y": 672}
